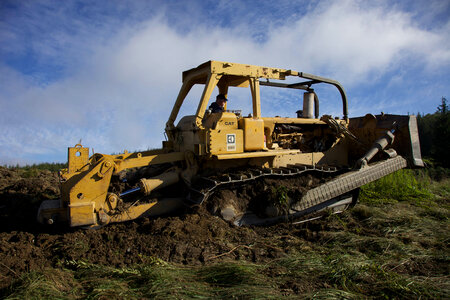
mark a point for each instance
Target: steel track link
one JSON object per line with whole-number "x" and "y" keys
{"x": 205, "y": 186}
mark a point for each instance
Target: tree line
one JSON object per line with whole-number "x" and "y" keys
{"x": 434, "y": 134}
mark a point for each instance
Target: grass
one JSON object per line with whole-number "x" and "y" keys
{"x": 279, "y": 197}
{"x": 155, "y": 281}
{"x": 46, "y": 284}
{"x": 403, "y": 185}
{"x": 29, "y": 171}
{"x": 312, "y": 274}
{"x": 392, "y": 245}
{"x": 41, "y": 166}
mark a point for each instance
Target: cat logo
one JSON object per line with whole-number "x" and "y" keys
{"x": 229, "y": 123}
{"x": 231, "y": 142}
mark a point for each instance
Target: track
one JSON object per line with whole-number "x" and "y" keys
{"x": 336, "y": 195}
{"x": 205, "y": 186}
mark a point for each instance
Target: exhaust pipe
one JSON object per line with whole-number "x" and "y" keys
{"x": 310, "y": 105}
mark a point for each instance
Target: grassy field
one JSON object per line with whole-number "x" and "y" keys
{"x": 393, "y": 245}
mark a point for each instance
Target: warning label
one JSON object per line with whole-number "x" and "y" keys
{"x": 231, "y": 142}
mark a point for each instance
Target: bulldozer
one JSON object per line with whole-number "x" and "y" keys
{"x": 211, "y": 151}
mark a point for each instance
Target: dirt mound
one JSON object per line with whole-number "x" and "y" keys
{"x": 196, "y": 237}
{"x": 21, "y": 193}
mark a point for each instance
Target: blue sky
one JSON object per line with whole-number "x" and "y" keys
{"x": 108, "y": 72}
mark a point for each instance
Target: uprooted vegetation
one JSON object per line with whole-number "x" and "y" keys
{"x": 393, "y": 244}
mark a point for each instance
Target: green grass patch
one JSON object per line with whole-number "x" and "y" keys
{"x": 29, "y": 171}
{"x": 403, "y": 185}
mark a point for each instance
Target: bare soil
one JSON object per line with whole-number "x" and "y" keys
{"x": 193, "y": 238}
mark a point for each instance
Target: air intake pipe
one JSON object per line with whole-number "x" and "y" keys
{"x": 310, "y": 105}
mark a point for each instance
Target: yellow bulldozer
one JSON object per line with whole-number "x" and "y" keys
{"x": 211, "y": 151}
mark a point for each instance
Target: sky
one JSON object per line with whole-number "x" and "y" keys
{"x": 108, "y": 72}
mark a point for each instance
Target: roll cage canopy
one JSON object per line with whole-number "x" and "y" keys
{"x": 225, "y": 74}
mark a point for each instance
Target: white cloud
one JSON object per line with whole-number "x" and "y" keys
{"x": 120, "y": 92}
{"x": 351, "y": 42}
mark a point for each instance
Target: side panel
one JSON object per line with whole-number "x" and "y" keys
{"x": 253, "y": 133}
{"x": 225, "y": 141}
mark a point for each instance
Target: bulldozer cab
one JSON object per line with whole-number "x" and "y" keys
{"x": 228, "y": 132}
